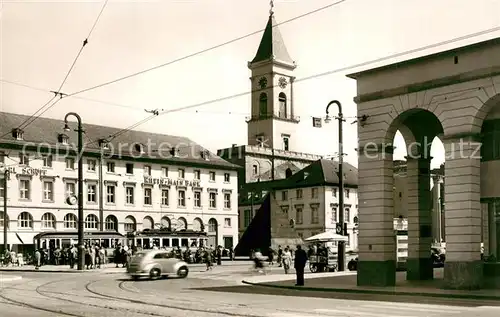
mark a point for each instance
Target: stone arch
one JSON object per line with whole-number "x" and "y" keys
{"x": 419, "y": 127}
{"x": 485, "y": 111}
{"x": 489, "y": 118}
{"x": 288, "y": 172}
{"x": 198, "y": 224}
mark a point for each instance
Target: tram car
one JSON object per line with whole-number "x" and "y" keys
{"x": 53, "y": 240}
{"x": 188, "y": 242}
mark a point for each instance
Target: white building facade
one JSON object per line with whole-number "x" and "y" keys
{"x": 121, "y": 193}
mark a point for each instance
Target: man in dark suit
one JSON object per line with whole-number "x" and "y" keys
{"x": 299, "y": 264}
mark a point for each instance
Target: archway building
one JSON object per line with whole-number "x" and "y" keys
{"x": 452, "y": 95}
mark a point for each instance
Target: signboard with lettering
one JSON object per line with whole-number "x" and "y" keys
{"x": 148, "y": 180}
{"x": 28, "y": 171}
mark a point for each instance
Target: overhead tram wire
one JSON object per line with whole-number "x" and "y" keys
{"x": 58, "y": 92}
{"x": 338, "y": 70}
{"x": 204, "y": 50}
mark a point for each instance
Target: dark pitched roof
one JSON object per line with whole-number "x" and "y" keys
{"x": 321, "y": 173}
{"x": 156, "y": 146}
{"x": 280, "y": 171}
{"x": 272, "y": 45}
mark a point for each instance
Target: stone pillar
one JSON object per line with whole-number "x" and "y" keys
{"x": 377, "y": 240}
{"x": 419, "y": 263}
{"x": 463, "y": 267}
{"x": 437, "y": 234}
{"x": 485, "y": 233}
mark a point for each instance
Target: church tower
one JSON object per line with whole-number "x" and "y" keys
{"x": 273, "y": 121}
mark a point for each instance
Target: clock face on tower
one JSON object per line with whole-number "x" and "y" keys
{"x": 263, "y": 82}
{"x": 282, "y": 82}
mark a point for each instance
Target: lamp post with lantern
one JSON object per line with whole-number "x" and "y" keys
{"x": 341, "y": 244}
{"x": 79, "y": 130}
{"x": 5, "y": 221}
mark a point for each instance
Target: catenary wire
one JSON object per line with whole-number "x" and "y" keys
{"x": 205, "y": 50}
{"x": 33, "y": 118}
{"x": 330, "y": 72}
{"x": 48, "y": 106}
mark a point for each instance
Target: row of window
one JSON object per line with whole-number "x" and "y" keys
{"x": 70, "y": 220}
{"x": 111, "y": 167}
{"x": 299, "y": 193}
{"x": 111, "y": 192}
{"x": 299, "y": 215}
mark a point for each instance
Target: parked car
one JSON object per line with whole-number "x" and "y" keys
{"x": 155, "y": 264}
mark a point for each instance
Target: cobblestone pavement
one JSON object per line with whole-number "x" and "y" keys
{"x": 96, "y": 294}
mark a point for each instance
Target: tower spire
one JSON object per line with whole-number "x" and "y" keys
{"x": 271, "y": 10}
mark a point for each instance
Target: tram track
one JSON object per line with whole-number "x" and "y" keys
{"x": 102, "y": 296}
{"x": 32, "y": 306}
{"x": 176, "y": 307}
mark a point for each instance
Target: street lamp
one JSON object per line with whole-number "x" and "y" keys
{"x": 341, "y": 244}
{"x": 81, "y": 253}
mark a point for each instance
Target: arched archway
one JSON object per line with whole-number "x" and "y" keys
{"x": 460, "y": 99}
{"x": 288, "y": 173}
{"x": 490, "y": 168}
{"x": 198, "y": 224}
{"x": 412, "y": 191}
{"x": 148, "y": 223}
{"x": 213, "y": 232}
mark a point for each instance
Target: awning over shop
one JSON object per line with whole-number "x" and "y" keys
{"x": 18, "y": 238}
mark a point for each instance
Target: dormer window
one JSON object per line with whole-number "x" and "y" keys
{"x": 18, "y": 134}
{"x": 306, "y": 175}
{"x": 205, "y": 155}
{"x": 104, "y": 144}
{"x": 62, "y": 138}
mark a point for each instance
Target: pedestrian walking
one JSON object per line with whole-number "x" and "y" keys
{"x": 299, "y": 264}
{"x": 287, "y": 260}
{"x": 38, "y": 259}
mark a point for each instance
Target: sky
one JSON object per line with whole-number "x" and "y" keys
{"x": 40, "y": 39}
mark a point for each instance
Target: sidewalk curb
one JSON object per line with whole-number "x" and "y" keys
{"x": 30, "y": 270}
{"x": 376, "y": 292}
{"x": 10, "y": 279}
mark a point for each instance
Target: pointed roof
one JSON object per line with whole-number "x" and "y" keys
{"x": 272, "y": 45}
{"x": 322, "y": 172}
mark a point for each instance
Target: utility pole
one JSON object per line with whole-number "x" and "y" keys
{"x": 5, "y": 221}
{"x": 101, "y": 193}
{"x": 341, "y": 244}
{"x": 81, "y": 220}
{"x": 272, "y": 163}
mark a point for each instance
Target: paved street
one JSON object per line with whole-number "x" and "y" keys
{"x": 215, "y": 293}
